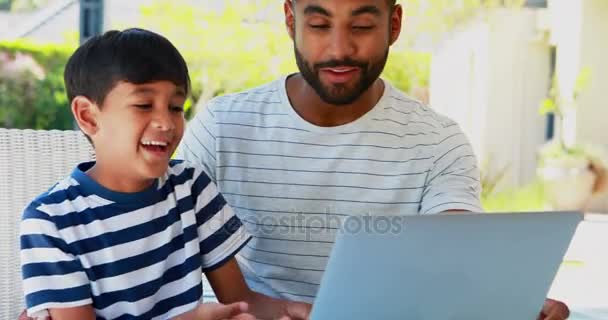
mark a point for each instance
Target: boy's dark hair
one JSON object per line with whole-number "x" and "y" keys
{"x": 133, "y": 55}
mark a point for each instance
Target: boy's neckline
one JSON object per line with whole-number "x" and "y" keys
{"x": 92, "y": 187}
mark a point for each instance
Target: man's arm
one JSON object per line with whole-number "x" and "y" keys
{"x": 230, "y": 286}
{"x": 453, "y": 182}
{"x": 454, "y": 187}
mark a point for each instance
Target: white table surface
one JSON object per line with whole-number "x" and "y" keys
{"x": 582, "y": 280}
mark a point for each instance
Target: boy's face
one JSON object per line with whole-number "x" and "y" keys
{"x": 138, "y": 128}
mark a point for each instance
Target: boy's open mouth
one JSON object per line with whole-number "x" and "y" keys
{"x": 155, "y": 146}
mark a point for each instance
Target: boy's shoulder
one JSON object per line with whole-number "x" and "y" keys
{"x": 180, "y": 170}
{"x": 56, "y": 201}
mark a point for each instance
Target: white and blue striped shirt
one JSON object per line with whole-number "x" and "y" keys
{"x": 292, "y": 182}
{"x": 131, "y": 255}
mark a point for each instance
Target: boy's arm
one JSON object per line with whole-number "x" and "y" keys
{"x": 54, "y": 280}
{"x": 230, "y": 286}
{"x": 75, "y": 313}
{"x": 222, "y": 234}
{"x": 218, "y": 311}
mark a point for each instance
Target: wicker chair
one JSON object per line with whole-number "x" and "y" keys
{"x": 30, "y": 163}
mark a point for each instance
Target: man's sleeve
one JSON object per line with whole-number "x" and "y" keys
{"x": 453, "y": 182}
{"x": 221, "y": 233}
{"x": 198, "y": 145}
{"x": 52, "y": 276}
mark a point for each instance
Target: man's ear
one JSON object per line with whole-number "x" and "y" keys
{"x": 85, "y": 112}
{"x": 290, "y": 18}
{"x": 396, "y": 22}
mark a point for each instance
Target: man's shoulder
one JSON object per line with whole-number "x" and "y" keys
{"x": 400, "y": 105}
{"x": 267, "y": 93}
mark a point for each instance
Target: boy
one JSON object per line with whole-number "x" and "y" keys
{"x": 129, "y": 235}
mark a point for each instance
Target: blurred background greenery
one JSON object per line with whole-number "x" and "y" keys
{"x": 238, "y": 46}
{"x": 235, "y": 48}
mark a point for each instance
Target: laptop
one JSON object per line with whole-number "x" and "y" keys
{"x": 452, "y": 266}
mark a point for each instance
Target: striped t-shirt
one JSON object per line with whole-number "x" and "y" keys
{"x": 131, "y": 255}
{"x": 292, "y": 182}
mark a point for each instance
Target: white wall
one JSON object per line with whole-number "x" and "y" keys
{"x": 592, "y": 118}
{"x": 490, "y": 76}
{"x": 580, "y": 33}
{"x": 581, "y": 37}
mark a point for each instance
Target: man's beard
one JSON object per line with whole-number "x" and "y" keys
{"x": 340, "y": 94}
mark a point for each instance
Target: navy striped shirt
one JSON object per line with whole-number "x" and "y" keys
{"x": 131, "y": 255}
{"x": 291, "y": 182}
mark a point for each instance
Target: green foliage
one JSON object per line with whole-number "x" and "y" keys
{"x": 525, "y": 199}
{"x": 22, "y": 5}
{"x": 570, "y": 155}
{"x": 32, "y": 94}
{"x": 227, "y": 51}
{"x": 5, "y": 5}
{"x": 558, "y": 104}
{"x": 438, "y": 16}
{"x": 233, "y": 49}
{"x": 407, "y": 70}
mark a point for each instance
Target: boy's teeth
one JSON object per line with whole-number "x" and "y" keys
{"x": 154, "y": 143}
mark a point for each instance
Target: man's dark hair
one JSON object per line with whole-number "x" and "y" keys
{"x": 133, "y": 55}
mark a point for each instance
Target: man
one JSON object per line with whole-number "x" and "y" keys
{"x": 296, "y": 155}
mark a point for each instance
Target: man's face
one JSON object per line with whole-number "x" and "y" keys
{"x": 139, "y": 127}
{"x": 341, "y": 46}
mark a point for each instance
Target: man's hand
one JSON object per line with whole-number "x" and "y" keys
{"x": 218, "y": 311}
{"x": 296, "y": 311}
{"x": 554, "y": 310}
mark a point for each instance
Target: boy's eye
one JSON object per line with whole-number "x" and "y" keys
{"x": 176, "y": 108}
{"x": 143, "y": 106}
{"x": 319, "y": 26}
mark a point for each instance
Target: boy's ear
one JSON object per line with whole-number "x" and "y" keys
{"x": 290, "y": 19}
{"x": 85, "y": 113}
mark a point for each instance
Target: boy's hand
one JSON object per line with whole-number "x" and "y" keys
{"x": 23, "y": 316}
{"x": 218, "y": 311}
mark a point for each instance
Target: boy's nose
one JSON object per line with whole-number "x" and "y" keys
{"x": 163, "y": 122}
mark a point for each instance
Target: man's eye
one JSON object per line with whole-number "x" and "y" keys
{"x": 363, "y": 27}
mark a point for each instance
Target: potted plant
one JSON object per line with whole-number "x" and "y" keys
{"x": 571, "y": 172}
